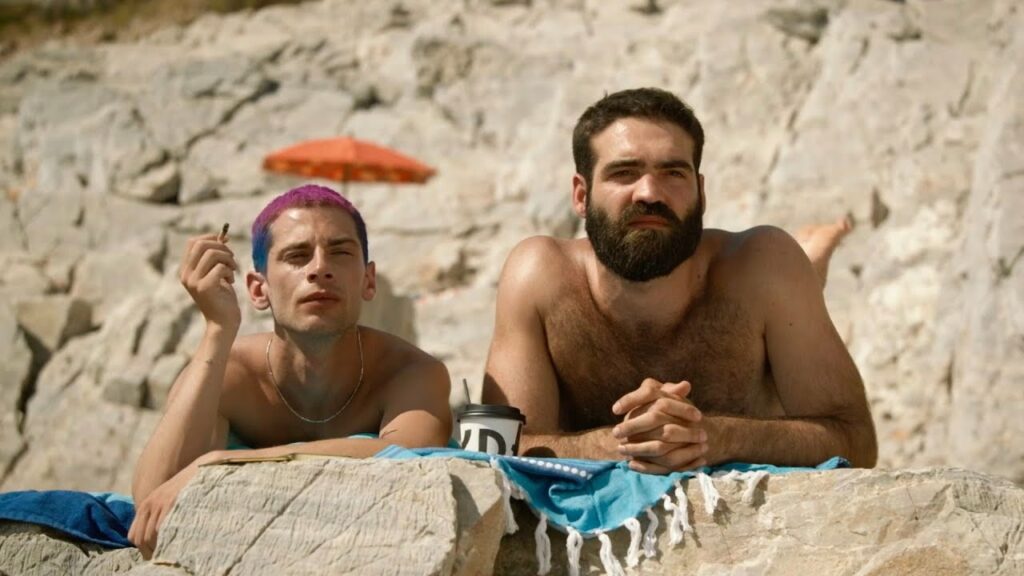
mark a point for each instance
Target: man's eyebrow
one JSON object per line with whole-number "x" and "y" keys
{"x": 637, "y": 163}
{"x": 295, "y": 246}
{"x": 331, "y": 243}
{"x": 623, "y": 163}
{"x": 675, "y": 163}
{"x": 340, "y": 241}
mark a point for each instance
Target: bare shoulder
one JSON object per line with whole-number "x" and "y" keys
{"x": 538, "y": 266}
{"x": 761, "y": 250}
{"x": 249, "y": 348}
{"x": 395, "y": 358}
{"x": 764, "y": 261}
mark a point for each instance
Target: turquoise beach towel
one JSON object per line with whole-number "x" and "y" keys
{"x": 588, "y": 498}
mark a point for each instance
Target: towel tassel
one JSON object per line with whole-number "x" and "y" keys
{"x": 651, "y": 535}
{"x": 730, "y": 475}
{"x": 711, "y": 497}
{"x": 506, "y": 496}
{"x": 684, "y": 509}
{"x": 753, "y": 479}
{"x": 609, "y": 562}
{"x": 573, "y": 546}
{"x": 633, "y": 555}
{"x": 675, "y": 528}
{"x": 540, "y": 535}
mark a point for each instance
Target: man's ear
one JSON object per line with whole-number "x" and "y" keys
{"x": 370, "y": 282}
{"x": 579, "y": 195}
{"x": 700, "y": 190}
{"x": 256, "y": 284}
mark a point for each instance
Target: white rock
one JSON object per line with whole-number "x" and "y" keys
{"x": 52, "y": 320}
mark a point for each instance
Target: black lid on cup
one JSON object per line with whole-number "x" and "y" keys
{"x": 492, "y": 411}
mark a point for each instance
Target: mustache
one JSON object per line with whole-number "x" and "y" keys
{"x": 649, "y": 209}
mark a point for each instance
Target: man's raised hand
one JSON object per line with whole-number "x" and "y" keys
{"x": 208, "y": 273}
{"x": 661, "y": 432}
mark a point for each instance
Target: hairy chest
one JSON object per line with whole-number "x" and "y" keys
{"x": 718, "y": 347}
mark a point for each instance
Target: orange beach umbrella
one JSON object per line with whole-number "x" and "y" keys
{"x": 347, "y": 159}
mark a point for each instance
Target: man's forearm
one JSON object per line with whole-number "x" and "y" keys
{"x": 789, "y": 442}
{"x": 596, "y": 444}
{"x": 190, "y": 416}
{"x": 344, "y": 447}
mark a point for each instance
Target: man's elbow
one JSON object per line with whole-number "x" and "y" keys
{"x": 863, "y": 445}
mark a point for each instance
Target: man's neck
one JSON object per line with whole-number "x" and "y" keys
{"x": 314, "y": 368}
{"x": 658, "y": 304}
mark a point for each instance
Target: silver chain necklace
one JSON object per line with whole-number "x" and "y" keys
{"x": 270, "y": 369}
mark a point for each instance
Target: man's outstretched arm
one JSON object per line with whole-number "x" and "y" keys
{"x": 519, "y": 370}
{"x": 817, "y": 381}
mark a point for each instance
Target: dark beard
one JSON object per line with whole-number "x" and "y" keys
{"x": 639, "y": 255}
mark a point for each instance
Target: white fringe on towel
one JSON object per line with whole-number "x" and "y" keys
{"x": 633, "y": 555}
{"x": 573, "y": 545}
{"x": 730, "y": 475}
{"x": 684, "y": 508}
{"x": 651, "y": 535}
{"x": 506, "y": 496}
{"x": 678, "y": 524}
{"x": 609, "y": 562}
{"x": 753, "y": 479}
{"x": 711, "y": 497}
{"x": 540, "y": 535}
{"x": 675, "y": 525}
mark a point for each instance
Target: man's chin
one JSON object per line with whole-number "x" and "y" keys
{"x": 318, "y": 325}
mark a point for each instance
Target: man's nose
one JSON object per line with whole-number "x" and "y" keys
{"x": 647, "y": 189}
{"x": 318, "y": 266}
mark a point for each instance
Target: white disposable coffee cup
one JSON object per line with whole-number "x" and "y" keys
{"x": 491, "y": 428}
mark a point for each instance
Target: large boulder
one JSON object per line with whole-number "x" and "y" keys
{"x": 15, "y": 369}
{"x": 850, "y": 522}
{"x": 447, "y": 517}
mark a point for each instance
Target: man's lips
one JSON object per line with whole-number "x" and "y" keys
{"x": 649, "y": 221}
{"x": 319, "y": 297}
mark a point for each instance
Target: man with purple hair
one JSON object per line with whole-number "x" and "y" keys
{"x": 318, "y": 379}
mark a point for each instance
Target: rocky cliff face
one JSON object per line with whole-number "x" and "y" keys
{"x": 900, "y": 113}
{"x": 443, "y": 517}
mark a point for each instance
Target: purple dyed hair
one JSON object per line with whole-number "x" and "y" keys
{"x": 301, "y": 197}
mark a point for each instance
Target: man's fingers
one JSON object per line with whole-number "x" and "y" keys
{"x": 681, "y": 389}
{"x": 133, "y": 531}
{"x": 197, "y": 247}
{"x": 661, "y": 411}
{"x": 150, "y": 537}
{"x": 671, "y": 433}
{"x": 657, "y": 448}
{"x": 648, "y": 467}
{"x": 678, "y": 460}
{"x": 220, "y": 271}
{"x": 648, "y": 391}
{"x": 210, "y": 259}
{"x": 648, "y": 449}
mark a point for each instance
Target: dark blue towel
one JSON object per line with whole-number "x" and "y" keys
{"x": 99, "y": 517}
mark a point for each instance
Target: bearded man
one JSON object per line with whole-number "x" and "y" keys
{"x": 659, "y": 341}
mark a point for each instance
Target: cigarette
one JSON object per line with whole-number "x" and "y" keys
{"x": 224, "y": 233}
